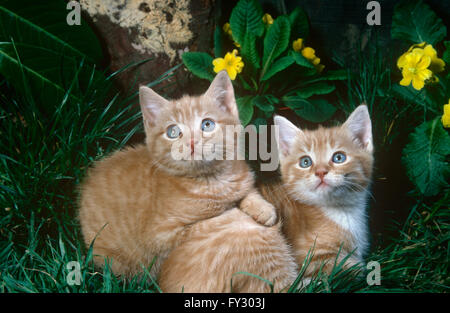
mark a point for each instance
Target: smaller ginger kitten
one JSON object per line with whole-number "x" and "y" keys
{"x": 139, "y": 203}
{"x": 325, "y": 177}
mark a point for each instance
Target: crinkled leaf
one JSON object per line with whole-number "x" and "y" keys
{"x": 246, "y": 17}
{"x": 328, "y": 75}
{"x": 316, "y": 111}
{"x": 426, "y": 157}
{"x": 301, "y": 60}
{"x": 410, "y": 94}
{"x": 320, "y": 88}
{"x": 277, "y": 66}
{"x": 245, "y": 108}
{"x": 199, "y": 63}
{"x": 299, "y": 23}
{"x": 275, "y": 41}
{"x": 415, "y": 22}
{"x": 264, "y": 103}
{"x": 249, "y": 52}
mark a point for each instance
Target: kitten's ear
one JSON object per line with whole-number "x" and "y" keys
{"x": 360, "y": 126}
{"x": 287, "y": 132}
{"x": 221, "y": 91}
{"x": 151, "y": 104}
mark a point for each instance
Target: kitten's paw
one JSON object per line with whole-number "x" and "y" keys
{"x": 261, "y": 211}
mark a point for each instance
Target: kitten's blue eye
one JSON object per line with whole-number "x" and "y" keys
{"x": 339, "y": 157}
{"x": 208, "y": 125}
{"x": 173, "y": 131}
{"x": 305, "y": 162}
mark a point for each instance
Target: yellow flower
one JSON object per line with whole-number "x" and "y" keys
{"x": 267, "y": 19}
{"x": 415, "y": 69}
{"x": 437, "y": 65}
{"x": 446, "y": 116}
{"x": 231, "y": 63}
{"x": 297, "y": 45}
{"x": 227, "y": 29}
{"x": 320, "y": 67}
{"x": 310, "y": 54}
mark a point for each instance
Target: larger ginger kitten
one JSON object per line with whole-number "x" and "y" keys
{"x": 325, "y": 179}
{"x": 141, "y": 203}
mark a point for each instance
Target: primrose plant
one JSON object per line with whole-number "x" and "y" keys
{"x": 425, "y": 87}
{"x": 271, "y": 66}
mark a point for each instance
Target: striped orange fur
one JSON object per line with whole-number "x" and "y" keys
{"x": 326, "y": 214}
{"x": 141, "y": 203}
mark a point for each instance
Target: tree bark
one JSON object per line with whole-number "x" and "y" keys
{"x": 136, "y": 30}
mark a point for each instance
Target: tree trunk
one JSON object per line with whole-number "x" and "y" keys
{"x": 135, "y": 30}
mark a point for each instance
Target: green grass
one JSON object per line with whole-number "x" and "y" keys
{"x": 45, "y": 152}
{"x": 45, "y": 149}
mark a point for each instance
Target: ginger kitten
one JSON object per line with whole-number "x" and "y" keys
{"x": 325, "y": 176}
{"x": 140, "y": 203}
{"x": 222, "y": 253}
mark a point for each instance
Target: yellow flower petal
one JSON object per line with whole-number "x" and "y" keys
{"x": 226, "y": 27}
{"x": 309, "y": 53}
{"x": 320, "y": 67}
{"x": 418, "y": 83}
{"x": 406, "y": 81}
{"x": 423, "y": 62}
{"x": 219, "y": 65}
{"x": 401, "y": 62}
{"x": 430, "y": 51}
{"x": 447, "y": 108}
{"x": 232, "y": 63}
{"x": 232, "y": 73}
{"x": 437, "y": 65}
{"x": 446, "y": 121}
{"x": 267, "y": 19}
{"x": 297, "y": 45}
{"x": 424, "y": 74}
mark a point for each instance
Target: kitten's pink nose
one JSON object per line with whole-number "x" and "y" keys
{"x": 192, "y": 146}
{"x": 321, "y": 174}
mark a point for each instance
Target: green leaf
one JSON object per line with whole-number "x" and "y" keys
{"x": 245, "y": 108}
{"x": 299, "y": 23}
{"x": 50, "y": 18}
{"x": 264, "y": 103}
{"x": 258, "y": 122}
{"x": 245, "y": 18}
{"x": 328, "y": 75}
{"x": 336, "y": 75}
{"x": 425, "y": 157}
{"x": 410, "y": 94}
{"x": 275, "y": 41}
{"x": 278, "y": 66}
{"x": 446, "y": 55}
{"x": 199, "y": 63}
{"x": 320, "y": 88}
{"x": 249, "y": 52}
{"x": 40, "y": 63}
{"x": 26, "y": 79}
{"x": 415, "y": 22}
{"x": 301, "y": 60}
{"x": 316, "y": 111}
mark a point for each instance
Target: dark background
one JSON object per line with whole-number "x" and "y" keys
{"x": 338, "y": 31}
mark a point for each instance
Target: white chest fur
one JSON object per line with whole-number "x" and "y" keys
{"x": 354, "y": 220}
